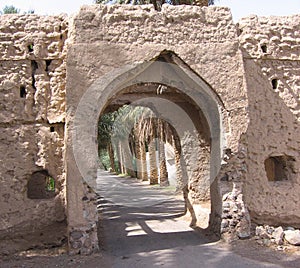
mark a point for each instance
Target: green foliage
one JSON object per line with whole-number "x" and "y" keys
{"x": 127, "y": 117}
{"x": 104, "y": 158}
{"x": 50, "y": 184}
{"x": 10, "y": 10}
{"x": 105, "y": 128}
{"x": 117, "y": 125}
{"x": 13, "y": 10}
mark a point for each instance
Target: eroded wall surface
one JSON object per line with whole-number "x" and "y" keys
{"x": 32, "y": 114}
{"x": 271, "y": 52}
{"x": 253, "y": 69}
{"x": 105, "y": 38}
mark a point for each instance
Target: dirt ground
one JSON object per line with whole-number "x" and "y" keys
{"x": 58, "y": 257}
{"x": 156, "y": 235}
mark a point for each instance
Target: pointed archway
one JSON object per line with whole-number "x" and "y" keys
{"x": 167, "y": 69}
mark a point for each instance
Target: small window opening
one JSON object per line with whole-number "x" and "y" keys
{"x": 33, "y": 82}
{"x": 34, "y": 67}
{"x": 264, "y": 48}
{"x": 48, "y": 62}
{"x": 52, "y": 129}
{"x": 279, "y": 168}
{"x": 274, "y": 83}
{"x": 30, "y": 47}
{"x": 239, "y": 31}
{"x": 23, "y": 92}
{"x": 41, "y": 185}
{"x": 50, "y": 184}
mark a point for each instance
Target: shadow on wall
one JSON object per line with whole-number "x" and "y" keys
{"x": 41, "y": 185}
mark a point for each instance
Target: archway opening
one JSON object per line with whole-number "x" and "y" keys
{"x": 152, "y": 136}
{"x": 197, "y": 103}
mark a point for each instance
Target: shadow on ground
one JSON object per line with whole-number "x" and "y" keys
{"x": 129, "y": 230}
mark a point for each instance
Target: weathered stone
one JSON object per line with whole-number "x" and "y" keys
{"x": 261, "y": 232}
{"x": 87, "y": 243}
{"x": 267, "y": 242}
{"x": 31, "y": 106}
{"x": 292, "y": 237}
{"x": 76, "y": 245}
{"x": 224, "y": 224}
{"x": 278, "y": 235}
{"x": 271, "y": 130}
{"x": 76, "y": 235}
{"x": 243, "y": 228}
{"x": 251, "y": 78}
{"x": 269, "y": 230}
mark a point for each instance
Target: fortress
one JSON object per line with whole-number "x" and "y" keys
{"x": 239, "y": 84}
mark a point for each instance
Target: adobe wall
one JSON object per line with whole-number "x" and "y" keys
{"x": 106, "y": 38}
{"x": 48, "y": 64}
{"x": 274, "y": 112}
{"x": 32, "y": 114}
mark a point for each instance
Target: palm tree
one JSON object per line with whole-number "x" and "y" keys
{"x": 163, "y": 173}
{"x": 179, "y": 178}
{"x": 140, "y": 152}
{"x": 143, "y": 159}
{"x": 146, "y": 134}
{"x": 150, "y": 133}
{"x": 10, "y": 10}
{"x": 153, "y": 163}
{"x": 137, "y": 150}
{"x": 158, "y": 3}
{"x": 121, "y": 140}
{"x": 104, "y": 137}
{"x": 121, "y": 158}
{"x": 111, "y": 156}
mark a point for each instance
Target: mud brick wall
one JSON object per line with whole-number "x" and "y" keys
{"x": 32, "y": 115}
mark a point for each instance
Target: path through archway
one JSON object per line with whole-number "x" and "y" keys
{"x": 169, "y": 71}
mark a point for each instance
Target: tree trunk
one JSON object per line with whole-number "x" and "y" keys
{"x": 200, "y": 3}
{"x": 126, "y": 163}
{"x": 163, "y": 173}
{"x": 118, "y": 159}
{"x": 138, "y": 159}
{"x": 111, "y": 157}
{"x": 143, "y": 162}
{"x": 121, "y": 159}
{"x": 153, "y": 163}
{"x": 129, "y": 158}
{"x": 179, "y": 179}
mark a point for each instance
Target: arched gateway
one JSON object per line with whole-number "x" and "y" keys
{"x": 233, "y": 86}
{"x": 161, "y": 70}
{"x": 101, "y": 68}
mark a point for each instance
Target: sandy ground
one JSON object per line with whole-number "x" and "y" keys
{"x": 143, "y": 226}
{"x": 249, "y": 250}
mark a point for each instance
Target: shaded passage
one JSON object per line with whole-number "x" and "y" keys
{"x": 142, "y": 226}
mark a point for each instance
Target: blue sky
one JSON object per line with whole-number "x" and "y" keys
{"x": 239, "y": 8}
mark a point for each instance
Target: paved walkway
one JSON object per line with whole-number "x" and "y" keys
{"x": 142, "y": 227}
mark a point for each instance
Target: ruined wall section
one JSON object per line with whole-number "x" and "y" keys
{"x": 32, "y": 114}
{"x": 105, "y": 38}
{"x": 271, "y": 52}
{"x": 199, "y": 36}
